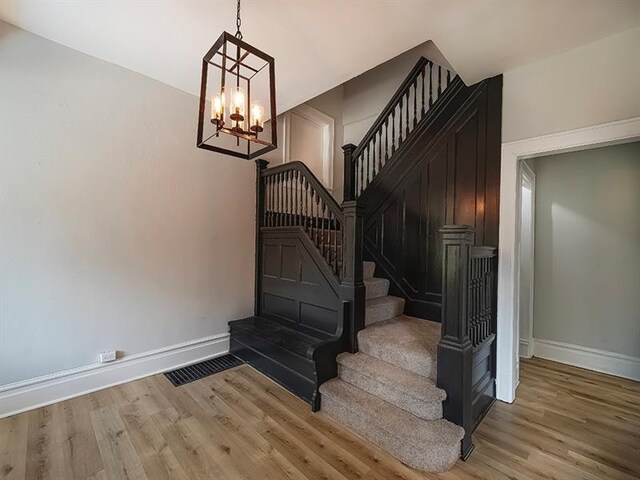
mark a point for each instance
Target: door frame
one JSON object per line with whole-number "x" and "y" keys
{"x": 580, "y": 139}
{"x": 526, "y": 174}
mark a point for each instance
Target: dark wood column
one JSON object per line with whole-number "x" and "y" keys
{"x": 455, "y": 351}
{"x": 261, "y": 165}
{"x": 352, "y": 286}
{"x": 349, "y": 173}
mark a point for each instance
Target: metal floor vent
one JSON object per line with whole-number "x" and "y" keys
{"x": 200, "y": 370}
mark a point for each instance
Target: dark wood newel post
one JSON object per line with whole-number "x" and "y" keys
{"x": 455, "y": 351}
{"x": 349, "y": 173}
{"x": 261, "y": 165}
{"x": 352, "y": 286}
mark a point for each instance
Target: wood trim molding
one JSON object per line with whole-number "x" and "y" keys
{"x": 526, "y": 338}
{"x": 319, "y": 119}
{"x": 40, "y": 391}
{"x": 526, "y": 348}
{"x": 602, "y": 361}
{"x": 595, "y": 136}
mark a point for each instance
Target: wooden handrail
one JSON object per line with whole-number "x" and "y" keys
{"x": 404, "y": 113}
{"x": 293, "y": 197}
{"x": 391, "y": 105}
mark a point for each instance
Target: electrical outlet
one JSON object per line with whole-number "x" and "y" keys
{"x": 108, "y": 356}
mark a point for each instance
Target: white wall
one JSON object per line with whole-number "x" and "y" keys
{"x": 587, "y": 249}
{"x": 594, "y": 84}
{"x": 117, "y": 233}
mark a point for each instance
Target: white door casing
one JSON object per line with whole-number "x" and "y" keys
{"x": 507, "y": 339}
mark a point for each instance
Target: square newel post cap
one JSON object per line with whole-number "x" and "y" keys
{"x": 458, "y": 232}
{"x": 349, "y": 148}
{"x": 262, "y": 163}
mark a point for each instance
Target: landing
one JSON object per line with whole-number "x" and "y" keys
{"x": 408, "y": 342}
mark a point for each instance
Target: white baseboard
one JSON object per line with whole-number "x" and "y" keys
{"x": 590, "y": 358}
{"x": 40, "y": 391}
{"x": 526, "y": 348}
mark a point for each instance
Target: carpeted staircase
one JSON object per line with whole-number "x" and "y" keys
{"x": 386, "y": 391}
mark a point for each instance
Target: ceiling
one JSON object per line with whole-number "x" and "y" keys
{"x": 319, "y": 44}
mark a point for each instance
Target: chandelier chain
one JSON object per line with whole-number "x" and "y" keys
{"x": 238, "y": 22}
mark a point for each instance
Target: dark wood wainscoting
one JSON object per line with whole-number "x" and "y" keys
{"x": 448, "y": 174}
{"x": 297, "y": 285}
{"x": 483, "y": 380}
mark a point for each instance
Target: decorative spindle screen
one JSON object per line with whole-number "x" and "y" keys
{"x": 294, "y": 197}
{"x": 420, "y": 90}
{"x": 481, "y": 294}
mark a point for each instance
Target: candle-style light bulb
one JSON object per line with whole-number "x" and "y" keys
{"x": 217, "y": 109}
{"x": 257, "y": 117}
{"x": 237, "y": 104}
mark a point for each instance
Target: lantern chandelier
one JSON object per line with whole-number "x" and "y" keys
{"x": 238, "y": 84}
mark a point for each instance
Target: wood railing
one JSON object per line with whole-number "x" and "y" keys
{"x": 289, "y": 195}
{"x": 468, "y": 321}
{"x": 293, "y": 197}
{"x": 409, "y": 105}
{"x": 482, "y": 292}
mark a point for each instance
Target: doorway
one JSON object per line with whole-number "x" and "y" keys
{"x": 508, "y": 262}
{"x": 526, "y": 260}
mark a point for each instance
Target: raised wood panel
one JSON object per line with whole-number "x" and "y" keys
{"x": 450, "y": 174}
{"x": 483, "y": 382}
{"x": 435, "y": 213}
{"x": 294, "y": 288}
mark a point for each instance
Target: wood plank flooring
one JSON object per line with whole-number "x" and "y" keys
{"x": 567, "y": 423}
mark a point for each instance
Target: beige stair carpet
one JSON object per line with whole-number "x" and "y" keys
{"x": 430, "y": 445}
{"x": 408, "y": 342}
{"x": 386, "y": 391}
{"x": 404, "y": 389}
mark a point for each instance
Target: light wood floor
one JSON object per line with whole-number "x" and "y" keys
{"x": 567, "y": 423}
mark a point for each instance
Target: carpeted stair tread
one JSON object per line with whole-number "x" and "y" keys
{"x": 393, "y": 376}
{"x": 431, "y": 445}
{"x": 383, "y": 308}
{"x": 406, "y": 342}
{"x": 368, "y": 269}
{"x": 376, "y": 287}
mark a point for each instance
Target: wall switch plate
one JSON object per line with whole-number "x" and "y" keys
{"x": 108, "y": 356}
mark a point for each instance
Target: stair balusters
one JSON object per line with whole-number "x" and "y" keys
{"x": 468, "y": 320}
{"x": 398, "y": 112}
{"x": 293, "y": 198}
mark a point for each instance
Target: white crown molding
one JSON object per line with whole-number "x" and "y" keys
{"x": 602, "y": 361}
{"x": 579, "y": 139}
{"x": 40, "y": 391}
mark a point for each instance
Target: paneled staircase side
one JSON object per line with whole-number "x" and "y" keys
{"x": 298, "y": 327}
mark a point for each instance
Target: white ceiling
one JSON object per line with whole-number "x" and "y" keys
{"x": 319, "y": 44}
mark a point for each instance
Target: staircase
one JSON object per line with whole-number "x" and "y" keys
{"x": 327, "y": 329}
{"x": 386, "y": 391}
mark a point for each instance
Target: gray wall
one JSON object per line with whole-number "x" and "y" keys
{"x": 587, "y": 248}
{"x": 116, "y": 232}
